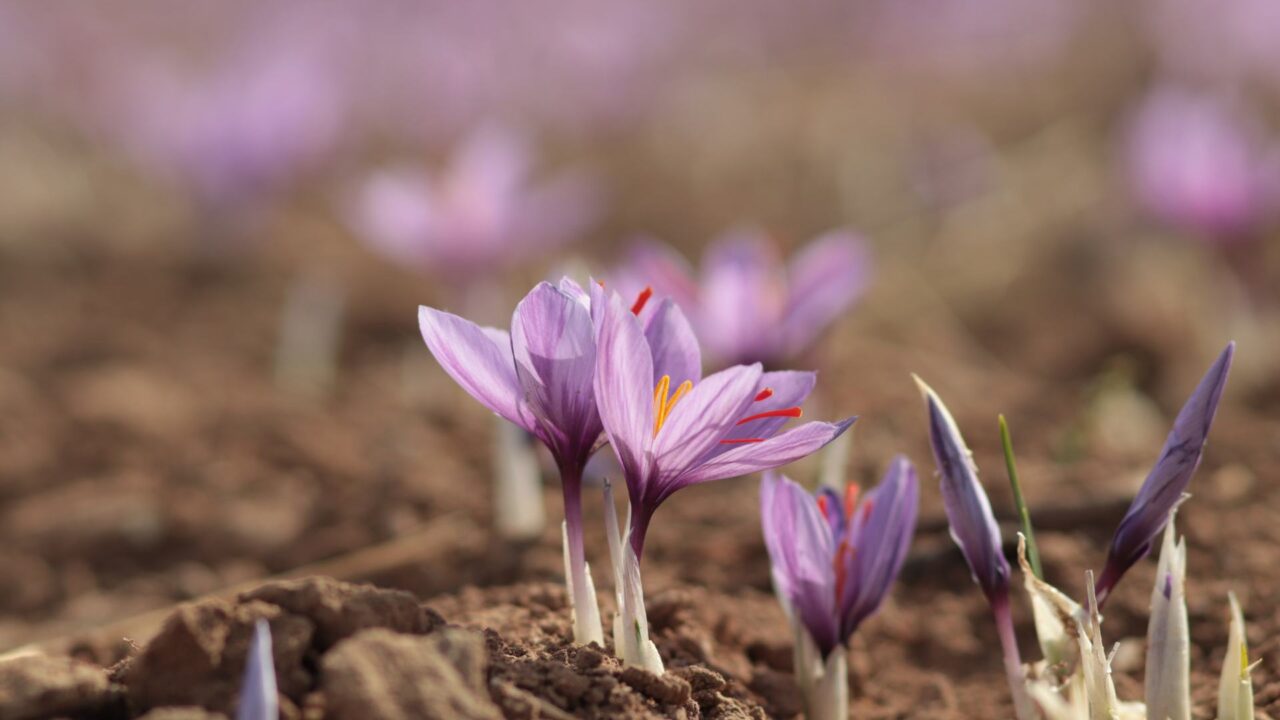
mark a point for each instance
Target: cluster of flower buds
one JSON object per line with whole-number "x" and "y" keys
{"x": 1074, "y": 681}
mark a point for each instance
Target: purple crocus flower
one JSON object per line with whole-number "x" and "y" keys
{"x": 480, "y": 214}
{"x": 1163, "y": 488}
{"x": 748, "y": 306}
{"x": 258, "y": 700}
{"x": 540, "y": 377}
{"x": 974, "y": 529}
{"x": 834, "y": 558}
{"x": 671, "y": 428}
{"x": 1199, "y": 163}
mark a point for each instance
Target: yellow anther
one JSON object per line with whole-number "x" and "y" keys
{"x": 663, "y": 403}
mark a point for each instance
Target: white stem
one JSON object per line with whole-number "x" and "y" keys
{"x": 582, "y": 595}
{"x": 631, "y": 624}
{"x": 824, "y": 685}
{"x": 1168, "y": 672}
{"x": 306, "y": 361}
{"x": 518, "y": 512}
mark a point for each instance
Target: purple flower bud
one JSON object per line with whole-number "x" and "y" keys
{"x": 1163, "y": 488}
{"x": 973, "y": 526}
{"x": 834, "y": 559}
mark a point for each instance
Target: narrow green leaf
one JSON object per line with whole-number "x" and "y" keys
{"x": 1024, "y": 516}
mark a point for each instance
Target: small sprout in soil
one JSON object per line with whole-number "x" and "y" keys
{"x": 747, "y": 305}
{"x": 834, "y": 557}
{"x": 258, "y": 700}
{"x": 1024, "y": 515}
{"x": 1235, "y": 688}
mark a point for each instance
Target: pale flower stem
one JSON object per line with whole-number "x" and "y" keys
{"x": 631, "y": 624}
{"x": 1022, "y": 705}
{"x": 824, "y": 685}
{"x": 306, "y": 361}
{"x": 581, "y": 587}
{"x": 518, "y": 512}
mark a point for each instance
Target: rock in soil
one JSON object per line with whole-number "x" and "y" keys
{"x": 40, "y": 686}
{"x": 381, "y": 675}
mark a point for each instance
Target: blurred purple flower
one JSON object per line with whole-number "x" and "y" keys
{"x": 1163, "y": 488}
{"x": 1198, "y": 163}
{"x": 672, "y": 428}
{"x": 748, "y": 306}
{"x": 233, "y": 135}
{"x": 258, "y": 700}
{"x": 835, "y": 558}
{"x": 1227, "y": 43}
{"x": 480, "y": 214}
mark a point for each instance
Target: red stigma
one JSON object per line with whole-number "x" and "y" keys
{"x": 793, "y": 412}
{"x": 740, "y": 441}
{"x": 841, "y": 569}
{"x": 765, "y": 394}
{"x": 641, "y": 300}
{"x": 823, "y": 508}
{"x": 851, "y": 492}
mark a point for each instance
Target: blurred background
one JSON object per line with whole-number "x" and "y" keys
{"x": 217, "y": 220}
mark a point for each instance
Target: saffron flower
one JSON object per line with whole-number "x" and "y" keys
{"x": 671, "y": 428}
{"x": 540, "y": 378}
{"x": 1198, "y": 163}
{"x": 833, "y": 561}
{"x": 974, "y": 529}
{"x": 482, "y": 213}
{"x": 1168, "y": 480}
{"x": 258, "y": 699}
{"x": 748, "y": 306}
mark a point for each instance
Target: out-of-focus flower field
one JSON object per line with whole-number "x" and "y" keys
{"x": 218, "y": 221}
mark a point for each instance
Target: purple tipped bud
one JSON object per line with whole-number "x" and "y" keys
{"x": 973, "y": 526}
{"x": 1163, "y": 488}
{"x": 258, "y": 699}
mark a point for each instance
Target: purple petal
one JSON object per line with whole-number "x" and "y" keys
{"x": 743, "y": 298}
{"x": 673, "y": 344}
{"x": 623, "y": 385}
{"x": 789, "y": 387}
{"x": 555, "y": 355}
{"x": 881, "y": 543}
{"x": 824, "y": 279}
{"x": 800, "y": 550}
{"x": 258, "y": 699}
{"x": 1162, "y": 489}
{"x": 478, "y": 359}
{"x": 701, "y": 420}
{"x": 772, "y": 453}
{"x": 973, "y": 526}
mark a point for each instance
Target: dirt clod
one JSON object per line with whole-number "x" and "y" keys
{"x": 382, "y": 675}
{"x": 39, "y": 686}
{"x": 340, "y": 610}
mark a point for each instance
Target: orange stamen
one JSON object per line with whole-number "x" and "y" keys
{"x": 793, "y": 412}
{"x": 740, "y": 441}
{"x": 765, "y": 394}
{"x": 641, "y": 300}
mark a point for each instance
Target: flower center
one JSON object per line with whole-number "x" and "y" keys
{"x": 663, "y": 399}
